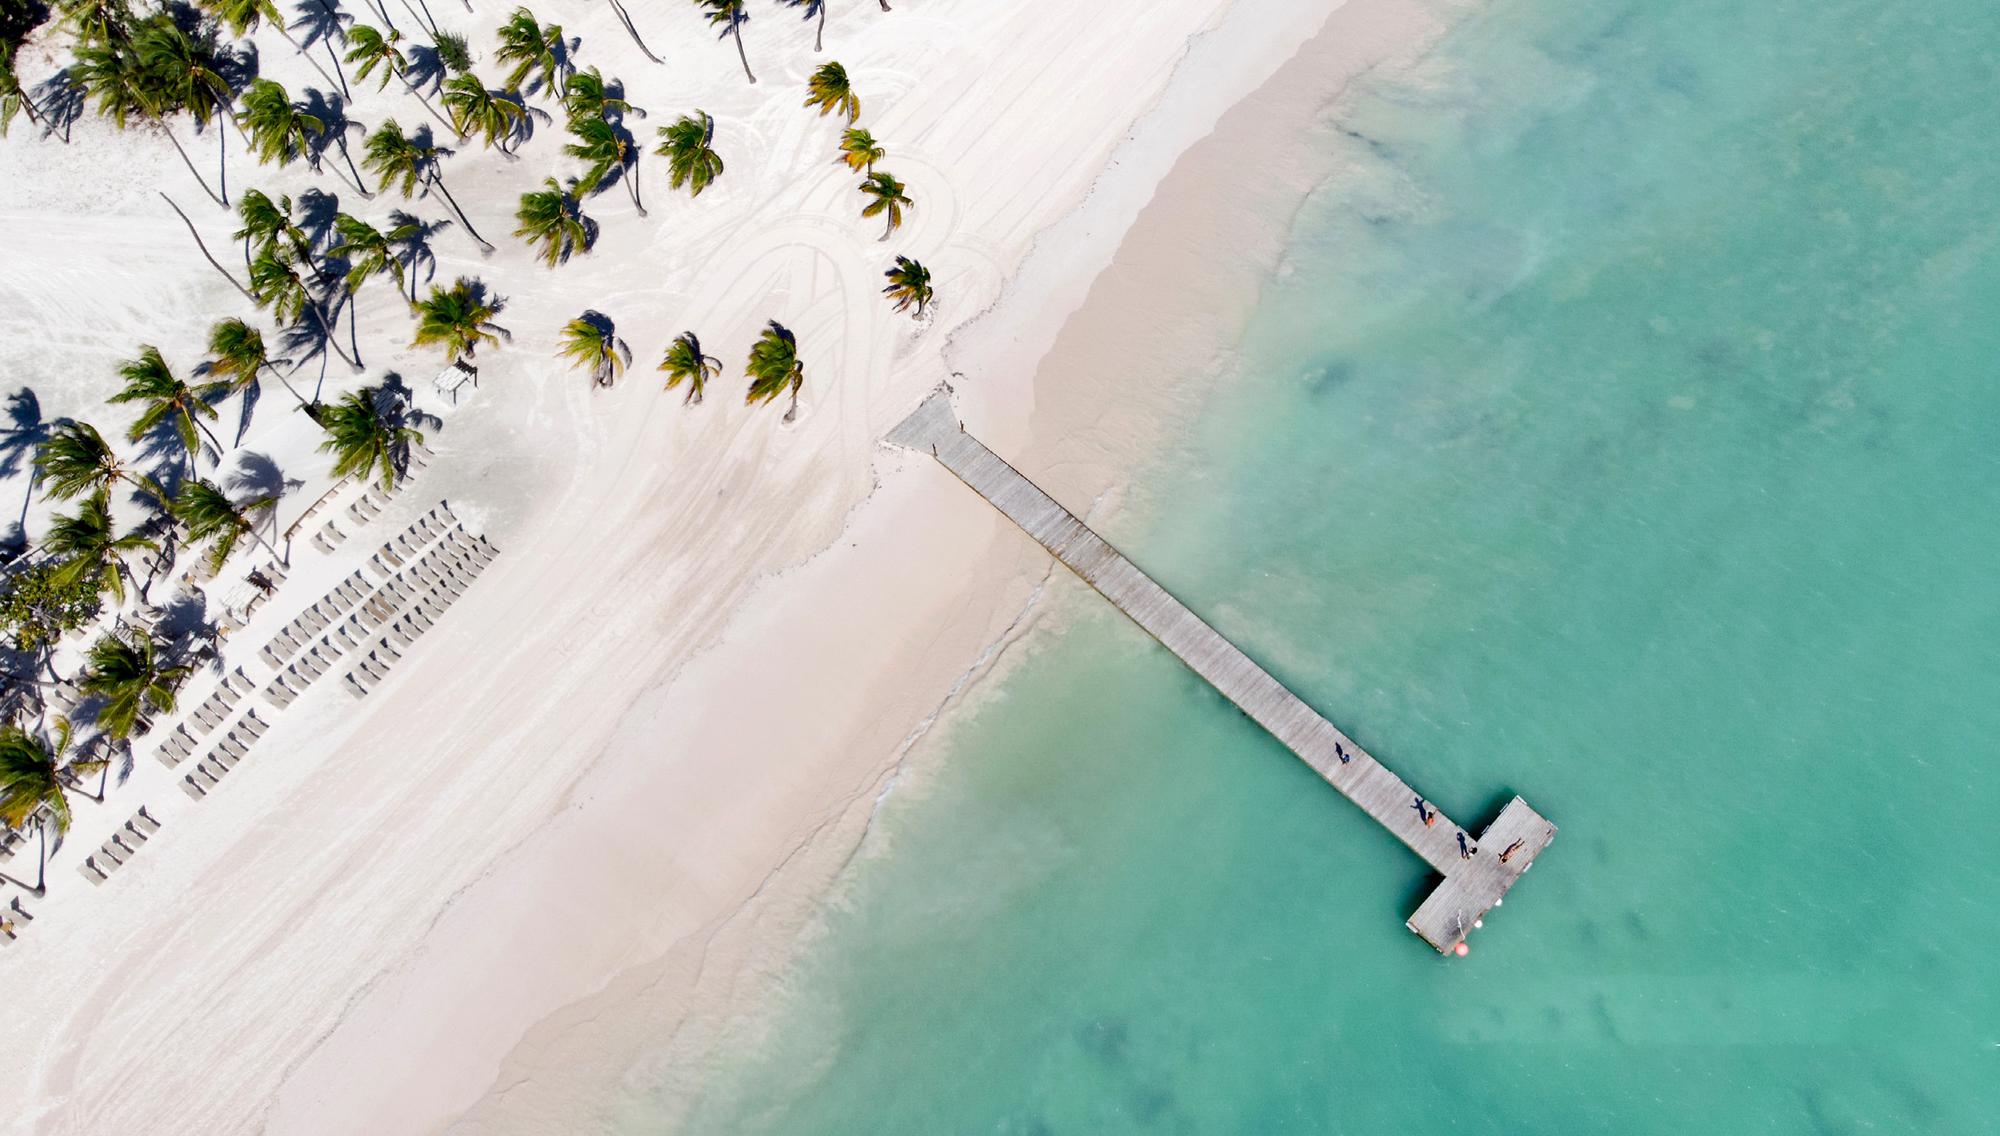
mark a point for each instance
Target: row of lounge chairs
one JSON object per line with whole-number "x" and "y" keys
{"x": 309, "y": 623}
{"x": 222, "y": 757}
{"x": 123, "y": 845}
{"x": 372, "y": 502}
{"x": 413, "y": 540}
{"x": 213, "y": 711}
{"x": 435, "y": 581}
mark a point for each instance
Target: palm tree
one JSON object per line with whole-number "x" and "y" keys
{"x": 685, "y": 362}
{"x": 362, "y": 438}
{"x": 167, "y": 399}
{"x": 278, "y": 286}
{"x": 133, "y": 679}
{"x": 591, "y": 341}
{"x": 406, "y": 161}
{"x": 730, "y": 15}
{"x": 367, "y": 251}
{"x": 691, "y": 160}
{"x": 264, "y": 221}
{"x": 237, "y": 353}
{"x": 859, "y": 151}
{"x": 774, "y": 368}
{"x": 31, "y": 787}
{"x": 183, "y": 71}
{"x": 473, "y": 106}
{"x": 812, "y": 8}
{"x": 909, "y": 283}
{"x": 409, "y": 241}
{"x": 369, "y": 49}
{"x": 553, "y": 219}
{"x": 885, "y": 198}
{"x": 89, "y": 546}
{"x": 530, "y": 47}
{"x": 452, "y": 50}
{"x": 110, "y": 69}
{"x": 97, "y": 21}
{"x": 242, "y": 16}
{"x": 279, "y": 129}
{"x": 625, "y": 18}
{"x": 458, "y": 319}
{"x": 210, "y": 518}
{"x": 75, "y": 460}
{"x": 828, "y": 90}
{"x": 586, "y": 94}
{"x": 605, "y": 149}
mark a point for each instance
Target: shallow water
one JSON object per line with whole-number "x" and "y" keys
{"x": 1625, "y": 432}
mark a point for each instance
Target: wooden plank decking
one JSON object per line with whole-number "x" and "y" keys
{"x": 1475, "y": 878}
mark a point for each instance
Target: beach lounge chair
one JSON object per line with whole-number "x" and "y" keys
{"x": 111, "y": 852}
{"x": 354, "y": 686}
{"x": 131, "y": 835}
{"x": 231, "y": 749}
{"x": 91, "y": 871}
{"x": 144, "y": 820}
{"x": 252, "y": 726}
{"x": 193, "y": 790}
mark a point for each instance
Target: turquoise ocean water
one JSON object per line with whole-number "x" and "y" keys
{"x": 1626, "y": 434}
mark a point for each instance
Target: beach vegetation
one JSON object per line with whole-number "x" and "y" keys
{"x": 730, "y": 16}
{"x": 410, "y": 160}
{"x": 32, "y": 770}
{"x": 607, "y": 152}
{"x": 886, "y": 199}
{"x": 534, "y": 49}
{"x": 458, "y": 319}
{"x": 687, "y": 145}
{"x": 91, "y": 548}
{"x": 165, "y": 399}
{"x": 473, "y": 106}
{"x": 135, "y": 680}
{"x": 40, "y": 604}
{"x": 210, "y": 518}
{"x": 685, "y": 363}
{"x": 277, "y": 285}
{"x": 909, "y": 283}
{"x": 774, "y": 368}
{"x": 279, "y": 129}
{"x": 368, "y": 436}
{"x": 552, "y": 222}
{"x": 587, "y": 95}
{"x": 590, "y": 342}
{"x": 237, "y": 356}
{"x": 452, "y": 51}
{"x": 264, "y": 222}
{"x": 859, "y": 151}
{"x": 829, "y": 90}
{"x": 75, "y": 460}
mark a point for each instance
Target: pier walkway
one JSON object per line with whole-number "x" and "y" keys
{"x": 1474, "y": 881}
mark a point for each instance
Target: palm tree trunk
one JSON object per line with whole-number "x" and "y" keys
{"x": 426, "y": 19}
{"x": 203, "y": 427}
{"x": 891, "y": 214}
{"x": 306, "y": 406}
{"x": 167, "y": 130}
{"x": 438, "y": 180}
{"x": 330, "y": 330}
{"x": 632, "y": 183}
{"x": 222, "y": 164}
{"x": 625, "y": 19}
{"x": 354, "y": 181}
{"x": 354, "y": 325}
{"x": 819, "y": 33}
{"x": 339, "y": 71}
{"x": 204, "y": 249}
{"x": 885, "y": 4}
{"x": 468, "y": 4}
{"x": 309, "y": 59}
{"x": 736, "y": 30}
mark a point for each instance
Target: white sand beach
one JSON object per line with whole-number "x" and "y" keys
{"x": 587, "y": 815}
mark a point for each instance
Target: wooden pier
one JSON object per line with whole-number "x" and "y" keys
{"x": 1477, "y": 870}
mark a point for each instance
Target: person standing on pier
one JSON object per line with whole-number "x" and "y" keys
{"x": 1465, "y": 853}
{"x": 1424, "y": 812}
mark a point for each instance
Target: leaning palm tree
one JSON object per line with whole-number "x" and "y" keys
{"x": 184, "y": 71}
{"x": 591, "y": 341}
{"x": 367, "y": 251}
{"x": 362, "y": 439}
{"x": 553, "y": 219}
{"x": 75, "y": 460}
{"x": 586, "y": 94}
{"x": 859, "y": 151}
{"x": 828, "y": 90}
{"x": 369, "y": 49}
{"x": 111, "y": 71}
{"x": 406, "y": 161}
{"x": 237, "y": 354}
{"x": 625, "y": 18}
{"x": 452, "y": 50}
{"x": 474, "y": 106}
{"x": 90, "y": 547}
{"x": 134, "y": 679}
{"x": 165, "y": 399}
{"x": 730, "y": 15}
{"x": 909, "y": 283}
{"x": 532, "y": 47}
{"x": 458, "y": 319}
{"x": 277, "y": 285}
{"x": 774, "y": 368}
{"x": 813, "y": 9}
{"x": 605, "y": 150}
{"x": 265, "y": 221}
{"x": 211, "y": 518}
{"x": 885, "y": 199}
{"x": 31, "y": 788}
{"x": 691, "y": 159}
{"x": 684, "y": 362}
{"x": 279, "y": 129}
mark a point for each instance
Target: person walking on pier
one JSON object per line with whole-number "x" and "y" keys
{"x": 1465, "y": 853}
{"x": 1424, "y": 812}
{"x": 1340, "y": 752}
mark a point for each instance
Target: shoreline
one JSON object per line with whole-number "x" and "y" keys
{"x": 603, "y": 803}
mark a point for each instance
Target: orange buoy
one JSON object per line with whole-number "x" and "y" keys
{"x": 1461, "y": 950}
